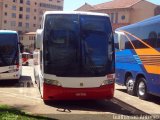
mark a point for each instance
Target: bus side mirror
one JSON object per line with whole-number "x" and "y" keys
{"x": 21, "y": 47}
{"x": 122, "y": 44}
{"x": 39, "y": 38}
{"x": 119, "y": 38}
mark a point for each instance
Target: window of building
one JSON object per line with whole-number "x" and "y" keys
{"x": 13, "y": 23}
{"x": 27, "y": 9}
{"x": 27, "y": 17}
{"x": 35, "y": 10}
{"x": 6, "y": 5}
{"x": 20, "y": 16}
{"x": 28, "y": 2}
{"x": 58, "y": 1}
{"x": 20, "y": 8}
{"x": 5, "y": 13}
{"x": 34, "y": 17}
{"x": 13, "y": 15}
{"x": 13, "y": 7}
{"x": 27, "y": 25}
{"x": 14, "y": 0}
{"x": 123, "y": 17}
{"x": 5, "y": 21}
{"x": 21, "y": 1}
{"x": 45, "y": 5}
{"x": 34, "y": 25}
{"x": 21, "y": 38}
{"x": 20, "y": 24}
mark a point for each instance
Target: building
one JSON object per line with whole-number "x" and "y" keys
{"x": 85, "y": 7}
{"x": 25, "y": 15}
{"x": 28, "y": 40}
{"x": 125, "y": 12}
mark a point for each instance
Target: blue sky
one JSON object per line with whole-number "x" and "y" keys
{"x": 74, "y": 4}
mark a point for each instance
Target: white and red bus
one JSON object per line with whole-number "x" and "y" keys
{"x": 10, "y": 55}
{"x": 26, "y": 57}
{"x": 74, "y": 56}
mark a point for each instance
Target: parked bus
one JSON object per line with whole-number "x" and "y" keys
{"x": 138, "y": 57}
{"x": 26, "y": 56}
{"x": 75, "y": 56}
{"x": 10, "y": 57}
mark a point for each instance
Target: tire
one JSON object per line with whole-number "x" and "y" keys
{"x": 130, "y": 86}
{"x": 142, "y": 91}
{"x": 27, "y": 63}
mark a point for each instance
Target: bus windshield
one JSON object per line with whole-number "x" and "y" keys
{"x": 8, "y": 48}
{"x": 77, "y": 45}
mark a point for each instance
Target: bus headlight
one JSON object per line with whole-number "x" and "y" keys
{"x": 110, "y": 80}
{"x": 52, "y": 82}
{"x": 107, "y": 82}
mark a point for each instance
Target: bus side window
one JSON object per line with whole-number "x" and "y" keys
{"x": 127, "y": 42}
{"x": 158, "y": 40}
{"x": 152, "y": 39}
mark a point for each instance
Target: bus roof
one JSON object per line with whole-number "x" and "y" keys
{"x": 8, "y": 32}
{"x": 76, "y": 12}
{"x": 141, "y": 23}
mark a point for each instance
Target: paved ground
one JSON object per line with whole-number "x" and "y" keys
{"x": 152, "y": 106}
{"x": 24, "y": 95}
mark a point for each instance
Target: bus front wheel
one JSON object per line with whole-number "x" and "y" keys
{"x": 142, "y": 89}
{"x": 130, "y": 86}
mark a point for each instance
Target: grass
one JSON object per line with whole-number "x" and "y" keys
{"x": 8, "y": 113}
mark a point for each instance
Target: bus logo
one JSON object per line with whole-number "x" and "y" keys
{"x": 81, "y": 84}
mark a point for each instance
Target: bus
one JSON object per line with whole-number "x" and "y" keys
{"x": 74, "y": 57}
{"x": 26, "y": 56}
{"x": 138, "y": 57}
{"x": 10, "y": 56}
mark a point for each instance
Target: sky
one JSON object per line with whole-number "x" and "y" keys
{"x": 70, "y": 5}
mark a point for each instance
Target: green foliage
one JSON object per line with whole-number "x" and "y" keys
{"x": 7, "y": 113}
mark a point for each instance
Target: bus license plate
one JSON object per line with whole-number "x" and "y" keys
{"x": 81, "y": 94}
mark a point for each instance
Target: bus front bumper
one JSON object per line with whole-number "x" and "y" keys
{"x": 9, "y": 76}
{"x": 52, "y": 92}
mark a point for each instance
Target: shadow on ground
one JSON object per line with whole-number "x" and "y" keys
{"x": 25, "y": 81}
{"x": 152, "y": 98}
{"x": 89, "y": 105}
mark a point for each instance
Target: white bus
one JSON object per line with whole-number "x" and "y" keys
{"x": 10, "y": 56}
{"x": 75, "y": 56}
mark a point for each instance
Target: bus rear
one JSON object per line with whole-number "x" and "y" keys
{"x": 76, "y": 56}
{"x": 10, "y": 67}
